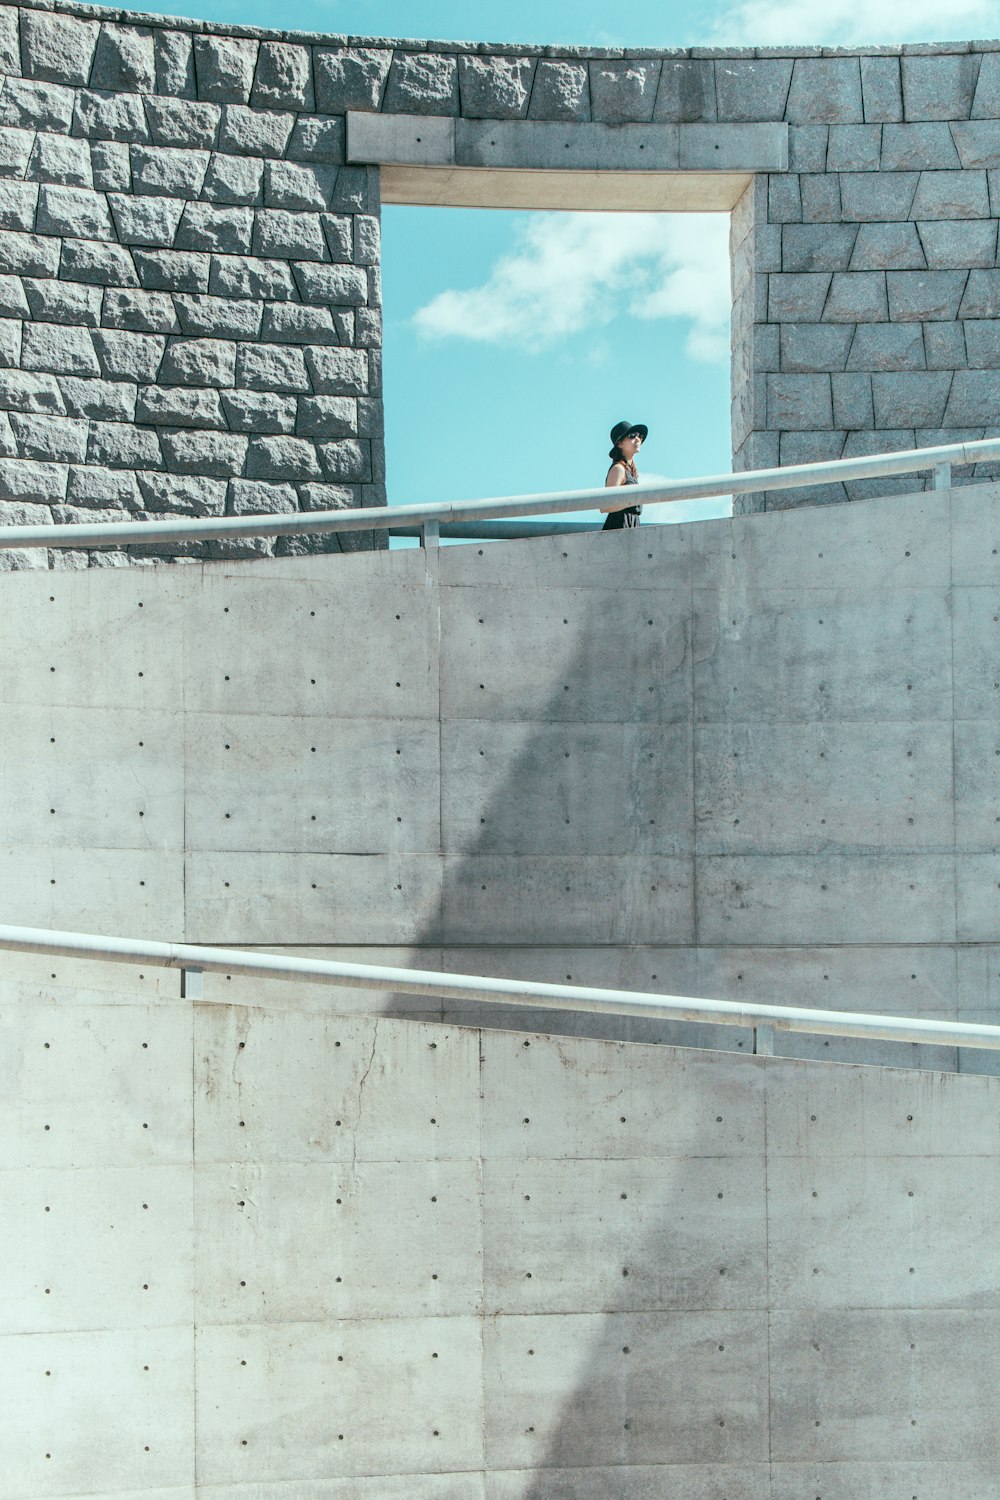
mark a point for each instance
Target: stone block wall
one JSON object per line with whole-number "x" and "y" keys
{"x": 189, "y": 282}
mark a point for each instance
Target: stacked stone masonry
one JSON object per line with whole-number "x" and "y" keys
{"x": 190, "y": 305}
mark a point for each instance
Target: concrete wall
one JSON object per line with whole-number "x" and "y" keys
{"x": 342, "y": 1256}
{"x": 189, "y": 242}
{"x": 750, "y": 758}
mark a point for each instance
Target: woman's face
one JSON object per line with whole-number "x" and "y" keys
{"x": 631, "y": 444}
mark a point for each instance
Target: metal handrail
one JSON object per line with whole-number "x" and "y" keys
{"x": 384, "y": 518}
{"x": 193, "y": 960}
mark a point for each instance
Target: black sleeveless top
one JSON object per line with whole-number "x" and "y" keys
{"x": 618, "y": 520}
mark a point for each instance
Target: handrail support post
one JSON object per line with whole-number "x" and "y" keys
{"x": 763, "y": 1041}
{"x": 430, "y": 534}
{"x": 942, "y": 476}
{"x": 192, "y": 984}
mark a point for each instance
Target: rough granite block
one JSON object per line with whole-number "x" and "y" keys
{"x": 110, "y": 166}
{"x": 939, "y": 88}
{"x": 347, "y": 459}
{"x": 870, "y": 198}
{"x": 271, "y": 368}
{"x": 124, "y": 60}
{"x": 174, "y": 55}
{"x": 74, "y": 211}
{"x": 16, "y": 147}
{"x": 60, "y": 159}
{"x": 144, "y": 220}
{"x": 348, "y": 234}
{"x": 495, "y": 88}
{"x": 252, "y": 411}
{"x": 182, "y": 494}
{"x": 91, "y": 487}
{"x": 784, "y": 199}
{"x": 810, "y": 448}
{"x": 58, "y": 349}
{"x": 56, "y": 439}
{"x": 825, "y": 91}
{"x": 885, "y": 247}
{"x": 122, "y": 445}
{"x": 291, "y": 185}
{"x": 254, "y": 132}
{"x": 36, "y": 106}
{"x": 253, "y": 497}
{"x": 327, "y": 496}
{"x": 624, "y": 92}
{"x": 327, "y": 417}
{"x": 367, "y": 239}
{"x": 175, "y": 406}
{"x": 172, "y": 270}
{"x": 951, "y": 195}
{"x": 881, "y": 89}
{"x": 921, "y": 296}
{"x": 110, "y": 117}
{"x": 18, "y": 202}
{"x": 799, "y": 402}
{"x": 103, "y": 400}
{"x": 294, "y": 236}
{"x": 129, "y": 356}
{"x": 854, "y": 148}
{"x": 344, "y": 286}
{"x": 212, "y": 453}
{"x": 856, "y": 297}
{"x": 72, "y": 515}
{"x": 356, "y": 192}
{"x": 180, "y": 122}
{"x": 686, "y": 94}
{"x": 283, "y": 79}
{"x": 752, "y": 89}
{"x": 797, "y": 298}
{"x": 371, "y": 415}
{"x": 354, "y": 79}
{"x": 562, "y": 91}
{"x": 21, "y": 391}
{"x": 338, "y": 372}
{"x": 420, "y": 83}
{"x": 955, "y": 244}
{"x": 916, "y": 400}
{"x": 821, "y": 197}
{"x": 24, "y": 479}
{"x": 13, "y": 302}
{"x": 10, "y": 43}
{"x": 887, "y": 346}
{"x": 219, "y": 317}
{"x": 807, "y": 147}
{"x": 852, "y": 402}
{"x": 982, "y": 342}
{"x": 64, "y": 302}
{"x": 982, "y": 295}
{"x": 973, "y": 399}
{"x": 986, "y": 101}
{"x": 282, "y": 457}
{"x": 291, "y": 323}
{"x": 204, "y": 226}
{"x": 10, "y": 343}
{"x": 810, "y": 348}
{"x": 58, "y": 48}
{"x": 915, "y": 148}
{"x": 320, "y": 138}
{"x": 167, "y": 171}
{"x": 199, "y": 362}
{"x": 138, "y": 311}
{"x": 977, "y": 142}
{"x": 224, "y": 68}
{"x": 234, "y": 179}
{"x": 944, "y": 345}
{"x": 817, "y": 246}
{"x": 247, "y": 276}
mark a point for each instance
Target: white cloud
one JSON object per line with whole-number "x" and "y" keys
{"x": 766, "y": 23}
{"x": 569, "y": 273}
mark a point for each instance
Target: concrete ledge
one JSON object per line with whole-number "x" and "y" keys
{"x": 498, "y": 187}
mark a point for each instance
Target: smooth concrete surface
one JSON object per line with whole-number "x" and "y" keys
{"x": 743, "y": 759}
{"x": 261, "y": 1248}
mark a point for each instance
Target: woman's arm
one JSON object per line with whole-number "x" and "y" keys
{"x": 616, "y": 477}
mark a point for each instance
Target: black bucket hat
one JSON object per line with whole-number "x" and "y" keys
{"x": 622, "y": 429}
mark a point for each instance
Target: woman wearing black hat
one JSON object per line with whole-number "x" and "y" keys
{"x": 626, "y": 439}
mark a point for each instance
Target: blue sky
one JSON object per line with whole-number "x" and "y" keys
{"x": 513, "y": 341}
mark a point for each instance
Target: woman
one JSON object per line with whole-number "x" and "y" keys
{"x": 626, "y": 439}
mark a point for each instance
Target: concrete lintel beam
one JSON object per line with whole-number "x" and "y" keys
{"x": 422, "y": 140}
{"x": 499, "y": 187}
